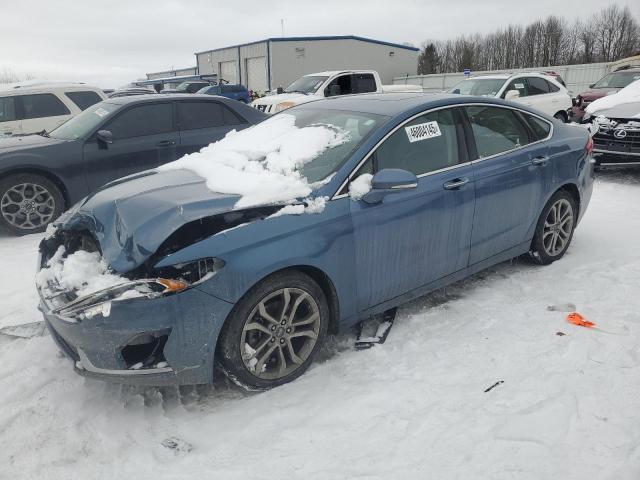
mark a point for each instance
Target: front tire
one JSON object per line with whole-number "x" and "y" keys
{"x": 28, "y": 203}
{"x": 274, "y": 332}
{"x": 554, "y": 229}
{"x": 563, "y": 117}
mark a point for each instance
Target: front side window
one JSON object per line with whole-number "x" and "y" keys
{"x": 496, "y": 130}
{"x": 7, "y": 109}
{"x": 84, "y": 99}
{"x": 520, "y": 84}
{"x": 341, "y": 85}
{"x": 537, "y": 86}
{"x": 426, "y": 144}
{"x": 195, "y": 115}
{"x": 42, "y": 105}
{"x": 143, "y": 120}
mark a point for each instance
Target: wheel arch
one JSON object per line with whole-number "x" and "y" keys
{"x": 564, "y": 115}
{"x": 573, "y": 190}
{"x": 43, "y": 173}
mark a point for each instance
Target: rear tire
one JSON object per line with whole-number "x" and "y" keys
{"x": 28, "y": 203}
{"x": 554, "y": 229}
{"x": 274, "y": 331}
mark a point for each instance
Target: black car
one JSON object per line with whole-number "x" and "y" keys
{"x": 42, "y": 175}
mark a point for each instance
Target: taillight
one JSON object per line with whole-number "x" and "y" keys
{"x": 589, "y": 146}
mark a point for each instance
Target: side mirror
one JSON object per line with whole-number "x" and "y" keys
{"x": 456, "y": 91}
{"x": 388, "y": 181}
{"x": 334, "y": 90}
{"x": 105, "y": 136}
{"x": 591, "y": 86}
{"x": 279, "y": 90}
{"x": 511, "y": 94}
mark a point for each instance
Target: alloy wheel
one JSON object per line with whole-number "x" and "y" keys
{"x": 557, "y": 227}
{"x": 27, "y": 206}
{"x": 280, "y": 333}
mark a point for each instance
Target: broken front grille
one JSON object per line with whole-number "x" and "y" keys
{"x": 621, "y": 138}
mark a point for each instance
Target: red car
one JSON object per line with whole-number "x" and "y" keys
{"x": 607, "y": 85}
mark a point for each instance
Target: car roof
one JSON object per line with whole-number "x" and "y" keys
{"x": 154, "y": 97}
{"x": 331, "y": 73}
{"x": 392, "y": 104}
{"x": 38, "y": 87}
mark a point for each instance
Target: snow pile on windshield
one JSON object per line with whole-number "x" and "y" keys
{"x": 82, "y": 272}
{"x": 262, "y": 163}
{"x": 360, "y": 186}
{"x": 630, "y": 93}
{"x": 310, "y": 205}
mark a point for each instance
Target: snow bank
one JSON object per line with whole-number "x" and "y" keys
{"x": 630, "y": 93}
{"x": 360, "y": 186}
{"x": 262, "y": 163}
{"x": 81, "y": 271}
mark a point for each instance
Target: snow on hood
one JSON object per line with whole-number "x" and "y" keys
{"x": 262, "y": 163}
{"x": 629, "y": 94}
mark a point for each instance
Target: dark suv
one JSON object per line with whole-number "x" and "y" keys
{"x": 607, "y": 85}
{"x": 42, "y": 175}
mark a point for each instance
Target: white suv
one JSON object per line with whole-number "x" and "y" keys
{"x": 32, "y": 107}
{"x": 532, "y": 89}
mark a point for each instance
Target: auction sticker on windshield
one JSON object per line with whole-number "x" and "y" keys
{"x": 422, "y": 131}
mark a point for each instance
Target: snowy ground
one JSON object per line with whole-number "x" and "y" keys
{"x": 416, "y": 407}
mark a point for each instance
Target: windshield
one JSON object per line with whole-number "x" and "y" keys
{"x": 487, "y": 87}
{"x": 617, "y": 80}
{"x": 84, "y": 123}
{"x": 357, "y": 125}
{"x": 309, "y": 84}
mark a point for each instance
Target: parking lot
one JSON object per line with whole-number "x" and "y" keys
{"x": 564, "y": 404}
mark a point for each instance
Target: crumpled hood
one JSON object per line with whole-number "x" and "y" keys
{"x": 629, "y": 110}
{"x": 595, "y": 93}
{"x": 133, "y": 216}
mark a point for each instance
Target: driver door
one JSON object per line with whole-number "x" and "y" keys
{"x": 144, "y": 137}
{"x": 416, "y": 236}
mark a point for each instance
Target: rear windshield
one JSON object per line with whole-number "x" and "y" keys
{"x": 487, "y": 87}
{"x": 617, "y": 80}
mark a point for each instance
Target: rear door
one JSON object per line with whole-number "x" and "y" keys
{"x": 9, "y": 122}
{"x": 508, "y": 171}
{"x": 540, "y": 95}
{"x": 41, "y": 111}
{"x": 417, "y": 236}
{"x": 144, "y": 137}
{"x": 202, "y": 122}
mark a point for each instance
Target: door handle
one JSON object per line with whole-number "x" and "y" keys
{"x": 165, "y": 143}
{"x": 540, "y": 161}
{"x": 455, "y": 184}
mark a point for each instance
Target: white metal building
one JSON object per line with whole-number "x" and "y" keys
{"x": 276, "y": 62}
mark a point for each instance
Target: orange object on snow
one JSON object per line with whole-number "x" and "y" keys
{"x": 577, "y": 319}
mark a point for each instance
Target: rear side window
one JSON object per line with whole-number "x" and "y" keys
{"x": 230, "y": 117}
{"x": 84, "y": 99}
{"x": 141, "y": 121}
{"x": 537, "y": 86}
{"x": 42, "y": 105}
{"x": 539, "y": 127}
{"x": 496, "y": 130}
{"x": 7, "y": 109}
{"x": 363, "y": 83}
{"x": 426, "y": 144}
{"x": 196, "y": 115}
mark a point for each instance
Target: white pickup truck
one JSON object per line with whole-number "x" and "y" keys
{"x": 328, "y": 84}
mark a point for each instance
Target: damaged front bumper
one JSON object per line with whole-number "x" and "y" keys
{"x": 160, "y": 341}
{"x": 143, "y": 331}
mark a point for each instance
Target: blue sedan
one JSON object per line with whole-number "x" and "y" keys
{"x": 423, "y": 191}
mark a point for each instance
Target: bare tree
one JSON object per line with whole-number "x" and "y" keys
{"x": 9, "y": 76}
